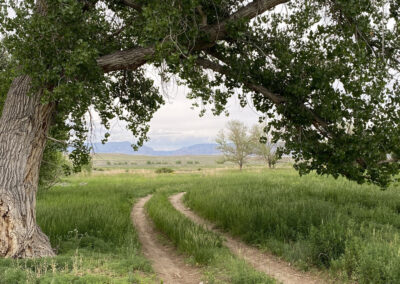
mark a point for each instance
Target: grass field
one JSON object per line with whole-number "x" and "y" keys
{"x": 314, "y": 222}
{"x": 352, "y": 230}
{"x": 181, "y": 163}
{"x": 88, "y": 223}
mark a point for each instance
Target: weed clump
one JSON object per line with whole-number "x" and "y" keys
{"x": 164, "y": 171}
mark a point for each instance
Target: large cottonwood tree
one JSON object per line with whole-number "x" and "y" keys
{"x": 313, "y": 67}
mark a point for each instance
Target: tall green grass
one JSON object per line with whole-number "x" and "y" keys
{"x": 352, "y": 230}
{"x": 204, "y": 247}
{"x": 88, "y": 222}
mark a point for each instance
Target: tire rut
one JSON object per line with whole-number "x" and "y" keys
{"x": 168, "y": 265}
{"x": 261, "y": 261}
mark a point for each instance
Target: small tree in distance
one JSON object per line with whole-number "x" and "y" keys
{"x": 263, "y": 145}
{"x": 236, "y": 144}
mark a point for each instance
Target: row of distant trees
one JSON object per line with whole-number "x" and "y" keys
{"x": 238, "y": 142}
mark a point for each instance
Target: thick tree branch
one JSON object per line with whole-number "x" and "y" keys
{"x": 136, "y": 57}
{"x": 130, "y": 59}
{"x": 250, "y": 11}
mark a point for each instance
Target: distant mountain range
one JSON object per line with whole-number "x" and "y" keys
{"x": 126, "y": 148}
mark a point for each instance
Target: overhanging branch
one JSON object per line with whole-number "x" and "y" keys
{"x": 130, "y": 59}
{"x": 133, "y": 58}
{"x": 208, "y": 64}
{"x": 318, "y": 122}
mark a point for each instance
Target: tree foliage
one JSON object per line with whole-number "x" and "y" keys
{"x": 236, "y": 144}
{"x": 263, "y": 146}
{"x": 312, "y": 68}
{"x": 5, "y": 78}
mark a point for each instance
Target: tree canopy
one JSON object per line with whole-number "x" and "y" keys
{"x": 314, "y": 69}
{"x": 236, "y": 144}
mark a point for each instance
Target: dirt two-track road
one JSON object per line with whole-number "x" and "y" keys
{"x": 171, "y": 268}
{"x": 167, "y": 263}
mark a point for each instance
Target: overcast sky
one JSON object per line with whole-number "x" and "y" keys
{"x": 176, "y": 125}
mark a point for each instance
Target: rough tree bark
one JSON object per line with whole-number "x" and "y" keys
{"x": 23, "y": 129}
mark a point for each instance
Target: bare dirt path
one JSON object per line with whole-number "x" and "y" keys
{"x": 167, "y": 264}
{"x": 261, "y": 261}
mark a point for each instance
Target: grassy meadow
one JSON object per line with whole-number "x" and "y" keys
{"x": 350, "y": 231}
{"x": 107, "y": 162}
{"x": 87, "y": 220}
{"x": 313, "y": 222}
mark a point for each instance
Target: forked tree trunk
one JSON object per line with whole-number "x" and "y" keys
{"x": 23, "y": 129}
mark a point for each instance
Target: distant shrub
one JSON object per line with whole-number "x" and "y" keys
{"x": 197, "y": 162}
{"x": 220, "y": 161}
{"x": 178, "y": 162}
{"x": 148, "y": 162}
{"x": 189, "y": 162}
{"x": 133, "y": 163}
{"x": 98, "y": 169}
{"x": 108, "y": 163}
{"x": 164, "y": 171}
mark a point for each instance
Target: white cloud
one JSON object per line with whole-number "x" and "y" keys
{"x": 176, "y": 125}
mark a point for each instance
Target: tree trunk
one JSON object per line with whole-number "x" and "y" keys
{"x": 23, "y": 129}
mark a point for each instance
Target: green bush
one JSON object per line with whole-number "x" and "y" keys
{"x": 55, "y": 166}
{"x": 178, "y": 162}
{"x": 164, "y": 171}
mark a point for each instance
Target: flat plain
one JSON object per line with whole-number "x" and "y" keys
{"x": 346, "y": 231}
